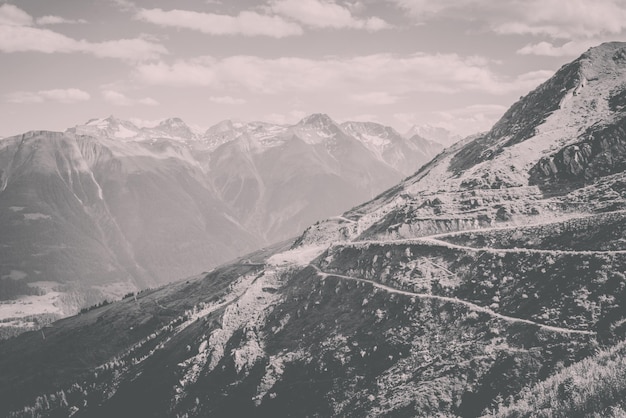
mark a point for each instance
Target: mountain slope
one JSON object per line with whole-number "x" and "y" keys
{"x": 303, "y": 174}
{"x": 109, "y": 207}
{"x": 385, "y": 310}
{"x": 451, "y": 294}
{"x": 101, "y": 218}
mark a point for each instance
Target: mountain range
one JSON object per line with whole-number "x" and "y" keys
{"x": 490, "y": 282}
{"x": 107, "y": 208}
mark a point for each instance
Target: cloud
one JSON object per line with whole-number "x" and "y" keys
{"x": 470, "y": 119}
{"x": 245, "y": 23}
{"x": 289, "y": 118}
{"x": 16, "y": 35}
{"x": 136, "y": 49}
{"x": 325, "y": 14}
{"x": 119, "y": 99}
{"x": 145, "y": 123}
{"x": 573, "y": 18}
{"x": 226, "y": 100}
{"x": 124, "y": 5}
{"x": 393, "y": 74}
{"x": 57, "y": 20}
{"x": 568, "y": 49}
{"x": 65, "y": 96}
{"x": 375, "y": 98}
{"x": 14, "y": 16}
{"x": 572, "y": 21}
{"x": 365, "y": 117}
{"x": 424, "y": 9}
{"x": 23, "y": 97}
{"x": 460, "y": 121}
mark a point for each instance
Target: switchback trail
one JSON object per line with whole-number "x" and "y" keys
{"x": 470, "y": 305}
{"x": 430, "y": 240}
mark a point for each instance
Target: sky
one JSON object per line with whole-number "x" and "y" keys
{"x": 458, "y": 64}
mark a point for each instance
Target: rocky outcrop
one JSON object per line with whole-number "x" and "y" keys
{"x": 602, "y": 153}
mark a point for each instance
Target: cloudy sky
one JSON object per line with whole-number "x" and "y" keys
{"x": 452, "y": 63}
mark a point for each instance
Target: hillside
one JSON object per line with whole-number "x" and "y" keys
{"x": 470, "y": 287}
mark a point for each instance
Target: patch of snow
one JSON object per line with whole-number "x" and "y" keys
{"x": 32, "y": 305}
{"x": 123, "y": 132}
{"x": 36, "y": 216}
{"x": 15, "y": 275}
{"x": 300, "y": 256}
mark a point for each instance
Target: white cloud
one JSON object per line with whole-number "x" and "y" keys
{"x": 124, "y": 5}
{"x": 226, "y": 100}
{"x": 23, "y": 97}
{"x": 375, "y": 98}
{"x": 17, "y": 36}
{"x": 65, "y": 96}
{"x": 423, "y": 9}
{"x": 57, "y": 20}
{"x": 460, "y": 121}
{"x": 14, "y": 16}
{"x": 145, "y": 123}
{"x": 148, "y": 101}
{"x": 119, "y": 99}
{"x": 325, "y": 14}
{"x": 136, "y": 49}
{"x": 568, "y": 49}
{"x": 289, "y": 118}
{"x": 391, "y": 73}
{"x": 245, "y": 23}
{"x": 471, "y": 119}
{"x": 572, "y": 21}
{"x": 365, "y": 117}
{"x": 573, "y": 18}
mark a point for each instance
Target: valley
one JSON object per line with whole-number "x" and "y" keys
{"x": 109, "y": 208}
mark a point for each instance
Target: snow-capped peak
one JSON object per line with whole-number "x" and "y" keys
{"x": 371, "y": 129}
{"x": 317, "y": 120}
{"x": 110, "y": 127}
{"x": 433, "y": 133}
{"x": 316, "y": 128}
{"x": 173, "y": 128}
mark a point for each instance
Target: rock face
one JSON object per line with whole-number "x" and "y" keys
{"x": 602, "y": 152}
{"x": 581, "y": 94}
{"x": 454, "y": 293}
{"x": 108, "y": 207}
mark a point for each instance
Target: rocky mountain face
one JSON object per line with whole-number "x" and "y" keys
{"x": 108, "y": 208}
{"x": 476, "y": 286}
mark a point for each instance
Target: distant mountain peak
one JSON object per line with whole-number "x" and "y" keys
{"x": 433, "y": 133}
{"x": 371, "y": 128}
{"x": 172, "y": 122}
{"x": 318, "y": 120}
